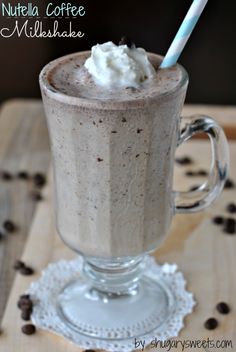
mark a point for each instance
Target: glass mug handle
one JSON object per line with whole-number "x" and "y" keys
{"x": 204, "y": 195}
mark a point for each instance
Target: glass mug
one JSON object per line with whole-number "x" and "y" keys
{"x": 113, "y": 170}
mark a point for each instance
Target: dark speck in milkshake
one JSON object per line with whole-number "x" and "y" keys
{"x": 99, "y": 159}
{"x": 139, "y": 130}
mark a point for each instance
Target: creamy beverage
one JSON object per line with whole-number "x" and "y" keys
{"x": 113, "y": 144}
{"x": 113, "y": 116}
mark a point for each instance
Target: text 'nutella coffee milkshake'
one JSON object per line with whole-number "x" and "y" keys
{"x": 113, "y": 120}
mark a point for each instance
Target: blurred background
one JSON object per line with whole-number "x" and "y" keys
{"x": 209, "y": 57}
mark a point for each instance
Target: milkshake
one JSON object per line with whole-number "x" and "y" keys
{"x": 114, "y": 124}
{"x": 113, "y": 149}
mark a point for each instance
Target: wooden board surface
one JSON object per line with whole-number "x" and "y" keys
{"x": 23, "y": 146}
{"x": 203, "y": 253}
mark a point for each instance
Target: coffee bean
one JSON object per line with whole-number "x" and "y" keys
{"x": 9, "y": 226}
{"x": 18, "y": 264}
{"x": 139, "y": 130}
{"x": 126, "y": 41}
{"x": 25, "y": 296}
{"x": 218, "y": 220}
{"x": 26, "y": 270}
{"x": 211, "y": 324}
{"x": 196, "y": 173}
{"x": 6, "y": 176}
{"x": 231, "y": 208}
{"x": 22, "y": 299}
{"x": 36, "y": 196}
{"x": 229, "y": 226}
{"x": 39, "y": 180}
{"x": 26, "y": 314}
{"x": 25, "y": 303}
{"x": 28, "y": 329}
{"x": 23, "y": 175}
{"x": 193, "y": 188}
{"x": 202, "y": 173}
{"x": 223, "y": 308}
{"x": 190, "y": 173}
{"x": 229, "y": 183}
{"x": 185, "y": 160}
{"x": 99, "y": 160}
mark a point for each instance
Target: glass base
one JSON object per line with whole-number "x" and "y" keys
{"x": 108, "y": 316}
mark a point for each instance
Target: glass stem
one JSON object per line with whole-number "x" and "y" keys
{"x": 116, "y": 277}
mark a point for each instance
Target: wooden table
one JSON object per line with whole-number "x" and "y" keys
{"x": 203, "y": 253}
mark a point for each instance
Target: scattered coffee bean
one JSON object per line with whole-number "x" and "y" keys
{"x": 231, "y": 208}
{"x": 218, "y": 220}
{"x": 185, "y": 160}
{"x": 229, "y": 226}
{"x": 26, "y": 315}
{"x": 18, "y": 264}
{"x": 36, "y": 196}
{"x": 6, "y": 176}
{"x": 23, "y": 175}
{"x": 25, "y": 296}
{"x": 39, "y": 180}
{"x": 99, "y": 160}
{"x": 139, "y": 130}
{"x": 211, "y": 324}
{"x": 202, "y": 173}
{"x": 25, "y": 304}
{"x": 113, "y": 131}
{"x": 229, "y": 183}
{"x": 26, "y": 270}
{"x": 9, "y": 226}
{"x": 193, "y": 188}
{"x": 126, "y": 41}
{"x": 223, "y": 308}
{"x": 190, "y": 173}
{"x": 28, "y": 329}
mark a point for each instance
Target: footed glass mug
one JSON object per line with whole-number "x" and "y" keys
{"x": 113, "y": 169}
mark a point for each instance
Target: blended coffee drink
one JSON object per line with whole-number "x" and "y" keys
{"x": 114, "y": 122}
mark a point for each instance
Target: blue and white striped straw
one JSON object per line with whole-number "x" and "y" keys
{"x": 183, "y": 33}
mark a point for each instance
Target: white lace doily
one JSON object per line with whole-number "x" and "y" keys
{"x": 57, "y": 275}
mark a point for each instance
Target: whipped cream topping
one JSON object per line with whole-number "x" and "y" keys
{"x": 119, "y": 66}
